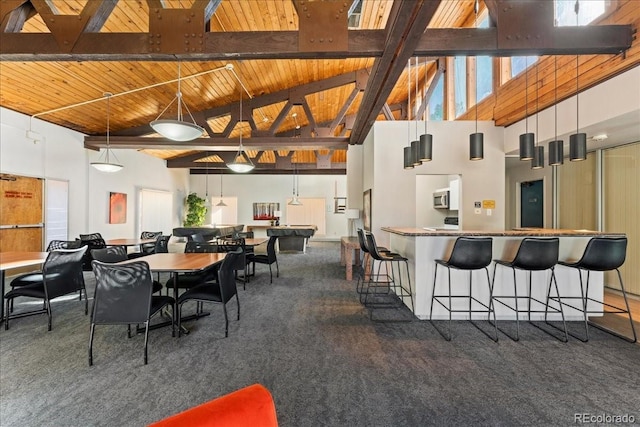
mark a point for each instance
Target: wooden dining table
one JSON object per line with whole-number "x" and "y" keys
{"x": 12, "y": 260}
{"x": 176, "y": 263}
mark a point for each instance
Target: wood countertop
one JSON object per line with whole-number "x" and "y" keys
{"x": 535, "y": 232}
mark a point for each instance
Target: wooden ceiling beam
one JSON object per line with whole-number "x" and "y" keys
{"x": 596, "y": 39}
{"x": 221, "y": 144}
{"x": 406, "y": 24}
{"x": 13, "y": 15}
{"x": 271, "y": 170}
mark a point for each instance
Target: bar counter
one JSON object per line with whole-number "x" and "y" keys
{"x": 422, "y": 246}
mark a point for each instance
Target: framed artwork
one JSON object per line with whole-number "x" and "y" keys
{"x": 265, "y": 210}
{"x": 366, "y": 210}
{"x": 117, "y": 208}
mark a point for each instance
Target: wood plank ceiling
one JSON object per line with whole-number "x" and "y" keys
{"x": 309, "y": 86}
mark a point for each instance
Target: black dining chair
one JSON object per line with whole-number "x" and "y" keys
{"x": 123, "y": 297}
{"x": 268, "y": 258}
{"x": 113, "y": 254}
{"x": 146, "y": 248}
{"x": 220, "y": 291}
{"x": 231, "y": 245}
{"x": 61, "y": 275}
{"x": 91, "y": 241}
{"x": 189, "y": 280}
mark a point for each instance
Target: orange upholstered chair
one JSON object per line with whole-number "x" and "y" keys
{"x": 251, "y": 406}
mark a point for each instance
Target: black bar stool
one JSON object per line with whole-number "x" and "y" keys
{"x": 601, "y": 254}
{"x": 365, "y": 269}
{"x": 534, "y": 254}
{"x": 386, "y": 281}
{"x": 469, "y": 253}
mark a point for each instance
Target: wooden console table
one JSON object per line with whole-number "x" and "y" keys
{"x": 348, "y": 246}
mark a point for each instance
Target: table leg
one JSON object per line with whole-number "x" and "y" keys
{"x": 2, "y": 299}
{"x": 348, "y": 257}
{"x": 342, "y": 254}
{"x": 357, "y": 251}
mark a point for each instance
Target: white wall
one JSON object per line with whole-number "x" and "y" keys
{"x": 394, "y": 188}
{"x": 60, "y": 154}
{"x": 249, "y": 189}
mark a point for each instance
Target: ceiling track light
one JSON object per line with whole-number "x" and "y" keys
{"x": 104, "y": 163}
{"x": 177, "y": 129}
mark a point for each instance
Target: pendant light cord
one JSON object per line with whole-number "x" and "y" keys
{"x": 108, "y": 95}
{"x": 577, "y": 10}
{"x": 415, "y": 72}
{"x": 409, "y": 101}
{"x": 526, "y": 95}
{"x": 476, "y": 7}
{"x": 179, "y": 94}
{"x": 555, "y": 94}
{"x": 537, "y": 134}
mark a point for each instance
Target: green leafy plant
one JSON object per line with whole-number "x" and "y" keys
{"x": 196, "y": 210}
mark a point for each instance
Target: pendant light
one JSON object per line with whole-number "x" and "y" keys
{"x": 207, "y": 200}
{"x": 106, "y": 165}
{"x": 409, "y": 153}
{"x": 221, "y": 203}
{"x": 426, "y": 139}
{"x": 527, "y": 139}
{"x": 415, "y": 144}
{"x": 294, "y": 200}
{"x": 241, "y": 162}
{"x": 178, "y": 129}
{"x": 476, "y": 140}
{"x": 538, "y": 154}
{"x": 556, "y": 147}
{"x": 577, "y": 141}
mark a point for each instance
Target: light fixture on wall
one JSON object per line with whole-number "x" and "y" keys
{"x": 476, "y": 140}
{"x": 294, "y": 200}
{"x": 527, "y": 139}
{"x": 104, "y": 163}
{"x": 409, "y": 153}
{"x": 221, "y": 203}
{"x": 178, "y": 129}
{"x": 538, "y": 154}
{"x": 556, "y": 147}
{"x": 241, "y": 162}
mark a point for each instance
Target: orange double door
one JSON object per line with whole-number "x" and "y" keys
{"x": 21, "y": 213}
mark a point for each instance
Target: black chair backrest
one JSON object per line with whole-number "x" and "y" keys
{"x": 199, "y": 247}
{"x": 110, "y": 254}
{"x": 604, "y": 253}
{"x": 162, "y": 245}
{"x": 148, "y": 248}
{"x": 63, "y": 244}
{"x": 123, "y": 293}
{"x": 537, "y": 253}
{"x": 226, "y": 275}
{"x": 361, "y": 240}
{"x": 92, "y": 241}
{"x": 197, "y": 237}
{"x": 373, "y": 248}
{"x": 471, "y": 253}
{"x": 62, "y": 272}
{"x": 230, "y": 245}
{"x": 271, "y": 249}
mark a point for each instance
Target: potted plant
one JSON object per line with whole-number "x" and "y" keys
{"x": 196, "y": 210}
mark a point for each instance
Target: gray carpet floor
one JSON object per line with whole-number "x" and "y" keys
{"x": 311, "y": 343}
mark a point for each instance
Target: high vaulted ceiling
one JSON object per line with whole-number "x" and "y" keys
{"x": 313, "y": 76}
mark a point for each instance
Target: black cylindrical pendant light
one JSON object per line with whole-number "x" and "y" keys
{"x": 476, "y": 140}
{"x": 578, "y": 147}
{"x": 527, "y": 139}
{"x": 426, "y": 147}
{"x": 556, "y": 147}
{"x": 556, "y": 153}
{"x": 476, "y": 146}
{"x": 538, "y": 158}
{"x": 527, "y": 145}
{"x": 415, "y": 148}
{"x": 408, "y": 158}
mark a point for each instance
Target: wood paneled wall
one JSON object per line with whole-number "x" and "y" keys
{"x": 621, "y": 206}
{"x": 577, "y": 194}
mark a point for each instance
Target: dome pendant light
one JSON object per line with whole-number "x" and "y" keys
{"x": 577, "y": 141}
{"x": 556, "y": 147}
{"x": 294, "y": 200}
{"x": 527, "y": 139}
{"x": 426, "y": 139}
{"x": 178, "y": 129}
{"x": 476, "y": 140}
{"x": 241, "y": 162}
{"x": 107, "y": 165}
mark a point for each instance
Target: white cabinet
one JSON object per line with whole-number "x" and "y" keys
{"x": 454, "y": 195}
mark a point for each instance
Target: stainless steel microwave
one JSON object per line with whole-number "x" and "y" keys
{"x": 441, "y": 199}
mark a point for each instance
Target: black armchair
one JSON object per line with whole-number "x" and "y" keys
{"x": 113, "y": 254}
{"x": 231, "y": 245}
{"x": 268, "y": 258}
{"x": 61, "y": 275}
{"x": 123, "y": 297}
{"x": 189, "y": 280}
{"x": 220, "y": 292}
